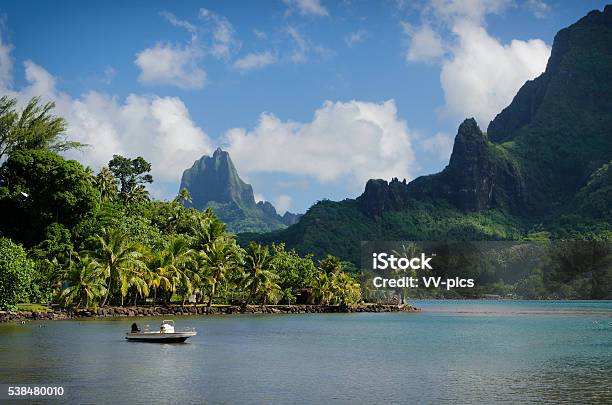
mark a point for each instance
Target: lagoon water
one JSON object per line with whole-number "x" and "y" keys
{"x": 452, "y": 351}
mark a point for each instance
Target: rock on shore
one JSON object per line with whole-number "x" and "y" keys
{"x": 57, "y": 314}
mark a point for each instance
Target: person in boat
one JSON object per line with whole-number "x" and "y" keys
{"x": 135, "y": 328}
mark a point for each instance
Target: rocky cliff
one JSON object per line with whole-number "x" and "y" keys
{"x": 543, "y": 167}
{"x": 213, "y": 181}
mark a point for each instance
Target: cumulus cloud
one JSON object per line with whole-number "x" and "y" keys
{"x": 424, "y": 45}
{"x": 179, "y": 65}
{"x": 306, "y": 7}
{"x": 255, "y": 60}
{"x": 483, "y": 74}
{"x": 170, "y": 64}
{"x": 345, "y": 141}
{"x": 157, "y": 128}
{"x": 440, "y": 145}
{"x": 353, "y": 38}
{"x": 479, "y": 74}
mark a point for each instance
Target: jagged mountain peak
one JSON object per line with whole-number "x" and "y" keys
{"x": 213, "y": 181}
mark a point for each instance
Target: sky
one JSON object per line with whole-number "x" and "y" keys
{"x": 311, "y": 97}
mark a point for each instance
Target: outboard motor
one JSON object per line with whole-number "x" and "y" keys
{"x": 135, "y": 328}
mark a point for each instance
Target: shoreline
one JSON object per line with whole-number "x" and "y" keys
{"x": 178, "y": 310}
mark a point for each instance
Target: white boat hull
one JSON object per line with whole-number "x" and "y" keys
{"x": 158, "y": 337}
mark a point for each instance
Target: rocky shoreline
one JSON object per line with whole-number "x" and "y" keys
{"x": 109, "y": 312}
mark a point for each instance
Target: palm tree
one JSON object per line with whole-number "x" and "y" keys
{"x": 155, "y": 281}
{"x": 85, "y": 284}
{"x": 331, "y": 265}
{"x": 218, "y": 258}
{"x": 259, "y": 274}
{"x": 117, "y": 257}
{"x": 407, "y": 251}
{"x": 346, "y": 291}
{"x": 106, "y": 184}
{"x": 206, "y": 229}
{"x": 137, "y": 195}
{"x": 322, "y": 288}
{"x": 183, "y": 197}
{"x": 175, "y": 268}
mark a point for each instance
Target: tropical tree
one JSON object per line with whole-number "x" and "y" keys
{"x": 118, "y": 257}
{"x": 86, "y": 284}
{"x": 345, "y": 289}
{"x": 295, "y": 272}
{"x": 322, "y": 288}
{"x": 34, "y": 127}
{"x": 259, "y": 275}
{"x": 39, "y": 188}
{"x": 217, "y": 259}
{"x": 206, "y": 229}
{"x": 183, "y": 197}
{"x": 131, "y": 174}
{"x": 16, "y": 272}
{"x": 331, "y": 265}
{"x": 174, "y": 268}
{"x": 136, "y": 195}
{"x": 106, "y": 185}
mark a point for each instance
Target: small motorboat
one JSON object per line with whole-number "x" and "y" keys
{"x": 165, "y": 334}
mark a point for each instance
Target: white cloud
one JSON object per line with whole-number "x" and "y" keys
{"x": 440, "y": 144}
{"x": 189, "y": 27}
{"x": 451, "y": 11}
{"x": 483, "y": 75}
{"x": 224, "y": 39}
{"x": 345, "y": 141}
{"x": 539, "y": 8}
{"x": 425, "y": 44}
{"x": 179, "y": 64}
{"x": 282, "y": 204}
{"x": 306, "y": 7}
{"x": 353, "y": 38}
{"x": 169, "y": 64}
{"x": 303, "y": 48}
{"x": 259, "y": 197}
{"x": 479, "y": 74}
{"x": 157, "y": 128}
{"x": 255, "y": 60}
{"x": 6, "y": 63}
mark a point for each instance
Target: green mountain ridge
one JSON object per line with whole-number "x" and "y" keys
{"x": 542, "y": 168}
{"x": 213, "y": 181}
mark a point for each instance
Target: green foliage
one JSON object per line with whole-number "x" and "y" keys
{"x": 34, "y": 127}
{"x": 259, "y": 276}
{"x": 295, "y": 273}
{"x": 107, "y": 185}
{"x": 595, "y": 198}
{"x": 131, "y": 175}
{"x": 42, "y": 188}
{"x": 86, "y": 286}
{"x": 16, "y": 273}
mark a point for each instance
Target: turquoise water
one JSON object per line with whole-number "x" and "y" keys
{"x": 453, "y": 351}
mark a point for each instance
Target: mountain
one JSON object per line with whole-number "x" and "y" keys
{"x": 213, "y": 181}
{"x": 544, "y": 166}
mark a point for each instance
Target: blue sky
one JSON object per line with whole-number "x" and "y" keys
{"x": 311, "y": 97}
